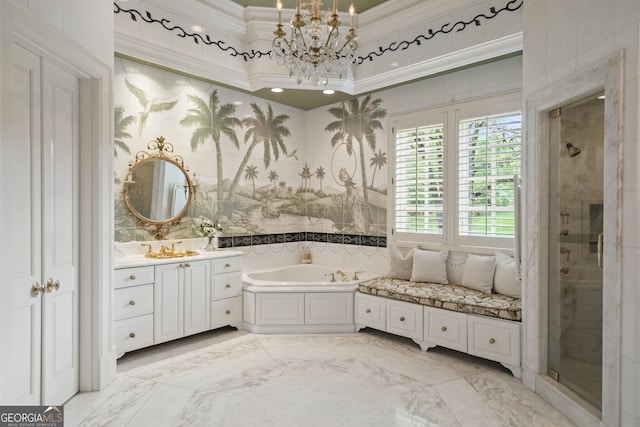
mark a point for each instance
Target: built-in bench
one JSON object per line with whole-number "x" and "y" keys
{"x": 478, "y": 323}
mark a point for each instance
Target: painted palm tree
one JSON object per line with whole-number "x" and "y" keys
{"x": 273, "y": 177}
{"x": 120, "y": 133}
{"x": 357, "y": 120}
{"x": 283, "y": 186}
{"x": 377, "y": 162}
{"x": 149, "y": 105}
{"x": 267, "y": 129}
{"x": 320, "y": 174}
{"x": 251, "y": 172}
{"x": 212, "y": 120}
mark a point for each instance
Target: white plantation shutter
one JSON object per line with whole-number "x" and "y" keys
{"x": 452, "y": 175}
{"x": 419, "y": 179}
{"x": 488, "y": 159}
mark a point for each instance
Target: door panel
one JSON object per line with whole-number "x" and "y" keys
{"x": 197, "y": 297}
{"x": 20, "y": 264}
{"x": 59, "y": 235}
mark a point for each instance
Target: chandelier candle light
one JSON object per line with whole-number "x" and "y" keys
{"x": 314, "y": 49}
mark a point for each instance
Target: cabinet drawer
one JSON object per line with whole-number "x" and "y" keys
{"x": 405, "y": 319}
{"x": 226, "y": 285}
{"x": 132, "y": 301}
{"x": 371, "y": 311}
{"x": 226, "y": 265}
{"x": 494, "y": 339}
{"x": 445, "y": 328}
{"x": 226, "y": 312}
{"x": 132, "y": 334}
{"x": 132, "y": 276}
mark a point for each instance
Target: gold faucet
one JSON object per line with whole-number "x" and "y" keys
{"x": 168, "y": 251}
{"x": 344, "y": 276}
{"x": 149, "y": 251}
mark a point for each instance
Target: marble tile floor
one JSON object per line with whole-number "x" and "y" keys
{"x": 233, "y": 378}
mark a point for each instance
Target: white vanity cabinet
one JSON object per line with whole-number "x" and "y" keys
{"x": 133, "y": 308}
{"x": 181, "y": 300}
{"x": 155, "y": 301}
{"x": 226, "y": 292}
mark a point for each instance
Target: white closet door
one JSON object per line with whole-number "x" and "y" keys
{"x": 20, "y": 247}
{"x": 59, "y": 235}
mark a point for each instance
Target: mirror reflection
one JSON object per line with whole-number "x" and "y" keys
{"x": 158, "y": 189}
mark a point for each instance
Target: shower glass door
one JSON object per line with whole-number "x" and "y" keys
{"x": 576, "y": 197}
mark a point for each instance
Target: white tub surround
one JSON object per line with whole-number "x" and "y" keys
{"x": 158, "y": 300}
{"x": 301, "y": 298}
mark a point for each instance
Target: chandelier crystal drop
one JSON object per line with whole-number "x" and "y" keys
{"x": 314, "y": 49}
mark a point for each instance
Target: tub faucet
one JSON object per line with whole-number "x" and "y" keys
{"x": 333, "y": 276}
{"x": 355, "y": 275}
{"x": 344, "y": 276}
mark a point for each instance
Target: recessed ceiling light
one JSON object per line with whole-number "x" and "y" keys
{"x": 601, "y": 97}
{"x": 393, "y": 64}
{"x": 196, "y": 28}
{"x": 237, "y": 102}
{"x": 277, "y": 89}
{"x": 328, "y": 91}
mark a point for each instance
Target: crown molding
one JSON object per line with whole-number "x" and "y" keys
{"x": 223, "y": 72}
{"x": 460, "y": 58}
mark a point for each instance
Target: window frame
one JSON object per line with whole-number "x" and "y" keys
{"x": 450, "y": 115}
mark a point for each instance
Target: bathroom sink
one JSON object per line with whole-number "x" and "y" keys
{"x": 171, "y": 254}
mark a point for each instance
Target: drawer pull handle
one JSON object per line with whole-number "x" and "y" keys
{"x": 227, "y": 312}
{"x": 227, "y": 265}
{"x": 402, "y": 319}
{"x": 132, "y": 335}
{"x": 443, "y": 329}
{"x": 368, "y": 310}
{"x": 132, "y": 302}
{"x": 132, "y": 277}
{"x": 492, "y": 341}
{"x": 187, "y": 265}
{"x": 227, "y": 286}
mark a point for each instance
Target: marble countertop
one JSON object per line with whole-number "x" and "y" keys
{"x": 131, "y": 254}
{"x": 141, "y": 260}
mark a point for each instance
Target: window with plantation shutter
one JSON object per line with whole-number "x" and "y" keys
{"x": 488, "y": 160}
{"x": 419, "y": 179}
{"x": 452, "y": 175}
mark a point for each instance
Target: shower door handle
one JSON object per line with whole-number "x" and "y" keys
{"x": 600, "y": 244}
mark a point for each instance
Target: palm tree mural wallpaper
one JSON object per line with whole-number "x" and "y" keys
{"x": 211, "y": 121}
{"x": 250, "y": 191}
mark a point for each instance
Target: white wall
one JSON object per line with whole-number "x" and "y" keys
{"x": 560, "y": 39}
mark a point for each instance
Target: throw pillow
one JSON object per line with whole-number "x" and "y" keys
{"x": 505, "y": 281}
{"x": 478, "y": 272}
{"x": 430, "y": 267}
{"x": 400, "y": 265}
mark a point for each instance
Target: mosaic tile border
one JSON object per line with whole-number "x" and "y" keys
{"x": 266, "y": 239}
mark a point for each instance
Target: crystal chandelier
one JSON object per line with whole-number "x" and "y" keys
{"x": 314, "y": 49}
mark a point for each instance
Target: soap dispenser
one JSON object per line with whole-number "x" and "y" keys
{"x": 306, "y": 255}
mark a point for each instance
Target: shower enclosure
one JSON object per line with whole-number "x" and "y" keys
{"x": 576, "y": 186}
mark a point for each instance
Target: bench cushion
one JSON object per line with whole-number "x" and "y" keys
{"x": 448, "y": 297}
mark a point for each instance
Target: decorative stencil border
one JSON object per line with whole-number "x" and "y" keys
{"x": 135, "y": 15}
{"x": 266, "y": 239}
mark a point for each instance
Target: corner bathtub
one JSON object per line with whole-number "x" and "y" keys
{"x": 300, "y": 299}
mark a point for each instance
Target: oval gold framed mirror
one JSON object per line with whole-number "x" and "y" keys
{"x": 158, "y": 189}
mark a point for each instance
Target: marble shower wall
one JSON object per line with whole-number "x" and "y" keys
{"x": 580, "y": 184}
